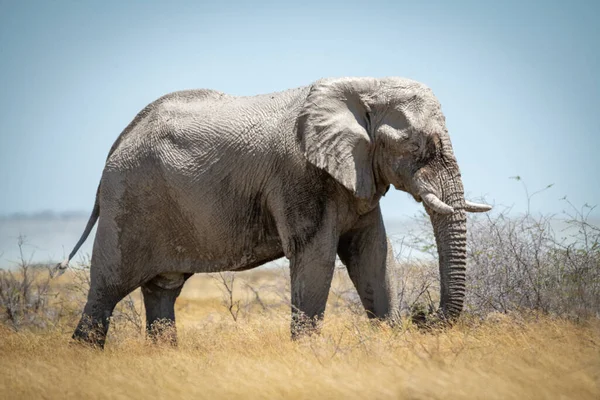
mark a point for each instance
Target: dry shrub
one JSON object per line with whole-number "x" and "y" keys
{"x": 521, "y": 263}
{"x": 31, "y": 297}
{"x": 24, "y": 294}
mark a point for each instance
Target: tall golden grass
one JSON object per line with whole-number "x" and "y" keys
{"x": 500, "y": 357}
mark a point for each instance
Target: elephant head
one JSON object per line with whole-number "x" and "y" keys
{"x": 370, "y": 133}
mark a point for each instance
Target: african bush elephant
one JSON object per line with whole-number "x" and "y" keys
{"x": 201, "y": 181}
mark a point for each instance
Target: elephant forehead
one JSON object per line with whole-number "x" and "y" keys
{"x": 424, "y": 113}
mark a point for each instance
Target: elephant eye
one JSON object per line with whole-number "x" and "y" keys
{"x": 411, "y": 147}
{"x": 434, "y": 144}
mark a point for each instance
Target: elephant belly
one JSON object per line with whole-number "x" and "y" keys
{"x": 262, "y": 254}
{"x": 234, "y": 236}
{"x": 238, "y": 252}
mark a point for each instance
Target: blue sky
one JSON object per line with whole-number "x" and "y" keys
{"x": 518, "y": 82}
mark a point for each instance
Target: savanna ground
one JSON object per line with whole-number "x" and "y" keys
{"x": 501, "y": 356}
{"x": 531, "y": 329}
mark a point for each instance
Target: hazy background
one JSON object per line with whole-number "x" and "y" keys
{"x": 519, "y": 85}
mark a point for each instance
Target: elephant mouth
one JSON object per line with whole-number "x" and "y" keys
{"x": 402, "y": 187}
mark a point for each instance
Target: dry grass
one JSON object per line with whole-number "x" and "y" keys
{"x": 502, "y": 357}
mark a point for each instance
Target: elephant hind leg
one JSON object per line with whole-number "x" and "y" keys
{"x": 160, "y": 294}
{"x": 102, "y": 299}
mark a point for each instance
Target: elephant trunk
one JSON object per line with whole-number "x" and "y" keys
{"x": 448, "y": 218}
{"x": 451, "y": 239}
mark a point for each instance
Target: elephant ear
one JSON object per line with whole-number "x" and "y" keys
{"x": 333, "y": 130}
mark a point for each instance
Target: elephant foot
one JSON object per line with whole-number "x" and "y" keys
{"x": 428, "y": 319}
{"x": 303, "y": 325}
{"x": 162, "y": 331}
{"x": 90, "y": 332}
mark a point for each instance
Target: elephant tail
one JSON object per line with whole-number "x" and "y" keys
{"x": 61, "y": 267}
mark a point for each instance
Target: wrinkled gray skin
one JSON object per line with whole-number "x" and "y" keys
{"x": 201, "y": 181}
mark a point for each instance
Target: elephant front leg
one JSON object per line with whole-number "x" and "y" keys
{"x": 311, "y": 271}
{"x": 369, "y": 258}
{"x": 310, "y": 288}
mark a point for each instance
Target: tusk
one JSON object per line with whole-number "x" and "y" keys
{"x": 476, "y": 207}
{"x": 432, "y": 201}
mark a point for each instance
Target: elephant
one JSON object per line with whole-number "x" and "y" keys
{"x": 203, "y": 181}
